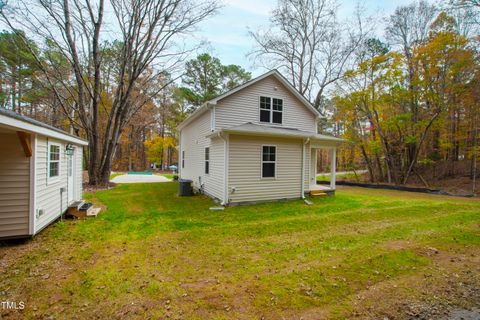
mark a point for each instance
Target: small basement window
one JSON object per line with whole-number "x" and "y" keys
{"x": 53, "y": 160}
{"x": 269, "y": 157}
{"x": 271, "y": 110}
{"x": 207, "y": 160}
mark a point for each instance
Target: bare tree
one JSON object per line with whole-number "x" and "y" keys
{"x": 467, "y": 15}
{"x": 467, "y": 3}
{"x": 150, "y": 47}
{"x": 307, "y": 41}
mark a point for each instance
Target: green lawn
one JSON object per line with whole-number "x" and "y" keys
{"x": 339, "y": 176}
{"x": 153, "y": 255}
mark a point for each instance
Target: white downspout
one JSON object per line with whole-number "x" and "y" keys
{"x": 302, "y": 195}
{"x": 225, "y": 167}
{"x": 333, "y": 168}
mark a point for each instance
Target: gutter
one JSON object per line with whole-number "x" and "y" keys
{"x": 303, "y": 167}
{"x": 275, "y": 134}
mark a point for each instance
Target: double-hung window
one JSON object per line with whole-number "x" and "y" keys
{"x": 53, "y": 160}
{"x": 269, "y": 157}
{"x": 183, "y": 159}
{"x": 271, "y": 110}
{"x": 207, "y": 160}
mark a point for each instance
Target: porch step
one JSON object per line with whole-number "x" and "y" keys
{"x": 318, "y": 193}
{"x": 82, "y": 210}
{"x": 76, "y": 204}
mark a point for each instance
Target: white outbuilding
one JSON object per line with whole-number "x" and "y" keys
{"x": 40, "y": 174}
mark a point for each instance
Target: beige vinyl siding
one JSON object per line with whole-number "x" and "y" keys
{"x": 214, "y": 182}
{"x": 193, "y": 142}
{"x": 306, "y": 179}
{"x": 14, "y": 187}
{"x": 245, "y": 169}
{"x": 243, "y": 106}
{"x": 48, "y": 191}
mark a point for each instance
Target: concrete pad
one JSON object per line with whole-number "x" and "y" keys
{"x": 139, "y": 178}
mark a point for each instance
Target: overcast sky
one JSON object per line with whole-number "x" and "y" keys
{"x": 227, "y": 32}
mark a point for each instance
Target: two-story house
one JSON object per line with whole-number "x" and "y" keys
{"x": 254, "y": 143}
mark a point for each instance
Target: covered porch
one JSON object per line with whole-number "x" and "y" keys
{"x": 331, "y": 158}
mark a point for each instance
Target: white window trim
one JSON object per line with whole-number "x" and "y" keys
{"x": 271, "y": 110}
{"x": 274, "y": 162}
{"x": 205, "y": 160}
{"x": 56, "y": 178}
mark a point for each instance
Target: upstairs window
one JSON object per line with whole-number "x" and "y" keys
{"x": 207, "y": 160}
{"x": 53, "y": 160}
{"x": 269, "y": 158}
{"x": 271, "y": 110}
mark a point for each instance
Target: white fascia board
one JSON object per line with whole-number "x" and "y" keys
{"x": 313, "y": 138}
{"x": 16, "y": 124}
{"x": 280, "y": 78}
{"x": 204, "y": 107}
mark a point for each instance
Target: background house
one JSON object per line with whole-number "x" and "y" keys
{"x": 40, "y": 174}
{"x": 256, "y": 142}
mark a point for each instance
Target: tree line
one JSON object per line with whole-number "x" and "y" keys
{"x": 412, "y": 103}
{"x": 101, "y": 68}
{"x": 407, "y": 99}
{"x": 407, "y": 96}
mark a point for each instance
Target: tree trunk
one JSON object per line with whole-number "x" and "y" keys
{"x": 371, "y": 171}
{"x": 474, "y": 159}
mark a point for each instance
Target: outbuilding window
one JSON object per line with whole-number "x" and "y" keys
{"x": 269, "y": 157}
{"x": 207, "y": 160}
{"x": 53, "y": 160}
{"x": 271, "y": 110}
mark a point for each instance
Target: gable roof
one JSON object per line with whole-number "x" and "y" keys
{"x": 14, "y": 120}
{"x": 274, "y": 73}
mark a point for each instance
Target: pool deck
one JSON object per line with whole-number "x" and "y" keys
{"x": 140, "y": 178}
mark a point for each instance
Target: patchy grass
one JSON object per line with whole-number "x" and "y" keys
{"x": 167, "y": 175}
{"x": 360, "y": 254}
{"x": 340, "y": 176}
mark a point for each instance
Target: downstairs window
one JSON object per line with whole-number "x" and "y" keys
{"x": 269, "y": 155}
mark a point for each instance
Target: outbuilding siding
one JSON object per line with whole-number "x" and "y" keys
{"x": 245, "y": 173}
{"x": 14, "y": 187}
{"x": 48, "y": 196}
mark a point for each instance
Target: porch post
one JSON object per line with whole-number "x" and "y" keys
{"x": 333, "y": 167}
